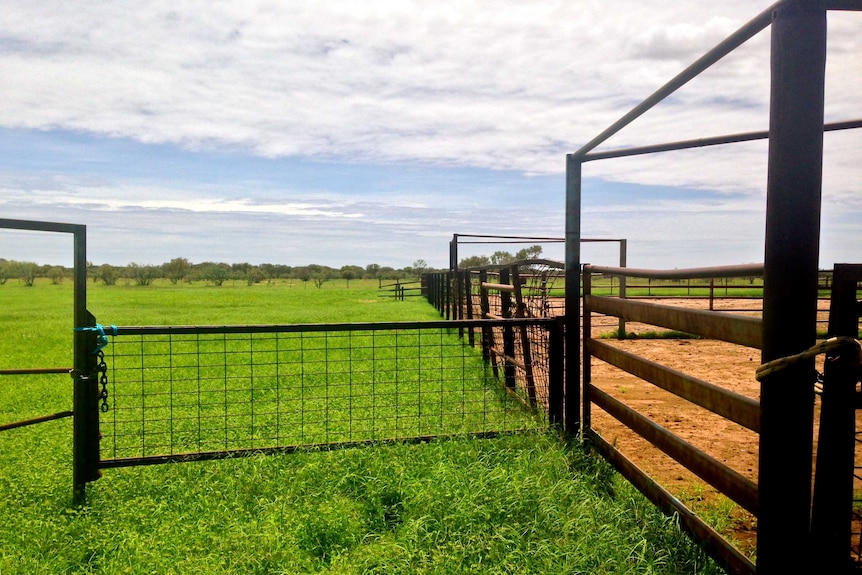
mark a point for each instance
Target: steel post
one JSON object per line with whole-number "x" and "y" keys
{"x": 573, "y": 296}
{"x": 790, "y": 283}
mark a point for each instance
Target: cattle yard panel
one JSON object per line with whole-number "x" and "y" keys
{"x": 835, "y": 526}
{"x": 725, "y": 326}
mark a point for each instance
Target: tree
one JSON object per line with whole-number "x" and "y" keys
{"x": 530, "y": 253}
{"x": 501, "y": 257}
{"x": 320, "y": 279}
{"x": 107, "y": 273}
{"x": 56, "y": 274}
{"x": 419, "y": 267}
{"x": 176, "y": 269}
{"x": 5, "y": 271}
{"x": 254, "y": 276}
{"x": 216, "y": 273}
{"x": 351, "y": 272}
{"x": 27, "y": 273}
{"x": 474, "y": 262}
{"x": 372, "y": 270}
{"x": 142, "y": 274}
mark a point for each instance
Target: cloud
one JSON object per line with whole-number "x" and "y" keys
{"x": 489, "y": 85}
{"x": 505, "y": 86}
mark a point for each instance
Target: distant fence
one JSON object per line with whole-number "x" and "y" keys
{"x": 518, "y": 290}
{"x": 399, "y": 290}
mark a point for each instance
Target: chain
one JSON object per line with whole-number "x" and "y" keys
{"x": 102, "y": 368}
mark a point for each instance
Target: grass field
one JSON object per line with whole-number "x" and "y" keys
{"x": 519, "y": 503}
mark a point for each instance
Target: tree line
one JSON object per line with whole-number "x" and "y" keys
{"x": 182, "y": 270}
{"x": 501, "y": 257}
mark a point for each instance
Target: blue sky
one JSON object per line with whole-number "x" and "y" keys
{"x": 359, "y": 133}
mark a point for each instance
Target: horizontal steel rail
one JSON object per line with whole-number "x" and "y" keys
{"x": 36, "y": 371}
{"x": 320, "y": 327}
{"x": 714, "y": 543}
{"x": 498, "y": 287}
{"x": 728, "y": 404}
{"x": 36, "y": 420}
{"x": 737, "y": 487}
{"x": 37, "y": 226}
{"x": 746, "y": 270}
{"x": 738, "y": 329}
{"x": 705, "y": 142}
{"x": 229, "y": 453}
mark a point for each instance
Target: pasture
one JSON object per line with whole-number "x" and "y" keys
{"x": 522, "y": 502}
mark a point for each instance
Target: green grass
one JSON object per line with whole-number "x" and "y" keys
{"x": 522, "y": 503}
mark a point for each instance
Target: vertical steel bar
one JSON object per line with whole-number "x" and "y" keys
{"x": 453, "y": 253}
{"x": 833, "y": 483}
{"x": 573, "y": 298}
{"x": 790, "y": 283}
{"x": 468, "y": 296}
{"x": 508, "y": 332}
{"x": 85, "y": 423}
{"x": 587, "y": 356}
{"x": 556, "y": 363}
{"x": 487, "y": 331}
{"x": 832, "y": 508}
{"x": 623, "y": 263}
{"x": 523, "y": 331}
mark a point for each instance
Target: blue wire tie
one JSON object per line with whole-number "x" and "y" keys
{"x": 101, "y": 338}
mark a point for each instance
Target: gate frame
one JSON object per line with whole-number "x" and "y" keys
{"x": 794, "y": 184}
{"x": 85, "y": 414}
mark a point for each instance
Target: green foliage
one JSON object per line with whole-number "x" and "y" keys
{"x": 524, "y": 503}
{"x": 501, "y": 257}
{"x": 27, "y": 272}
{"x": 107, "y": 274}
{"x": 143, "y": 275}
{"x": 176, "y": 269}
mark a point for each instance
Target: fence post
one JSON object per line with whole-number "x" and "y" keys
{"x": 485, "y": 306}
{"x": 832, "y": 507}
{"x": 623, "y": 263}
{"x": 711, "y": 294}
{"x": 556, "y": 363}
{"x": 468, "y": 296}
{"x": 573, "y": 297}
{"x": 791, "y": 254}
{"x": 586, "y": 360}
{"x": 85, "y": 390}
{"x": 508, "y": 332}
{"x": 833, "y": 482}
{"x": 85, "y": 406}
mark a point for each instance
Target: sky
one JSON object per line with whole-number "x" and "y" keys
{"x": 352, "y": 133}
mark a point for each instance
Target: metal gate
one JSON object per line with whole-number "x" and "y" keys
{"x": 191, "y": 393}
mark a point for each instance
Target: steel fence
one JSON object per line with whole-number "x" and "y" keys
{"x": 205, "y": 392}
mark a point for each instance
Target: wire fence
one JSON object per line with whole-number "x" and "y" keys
{"x": 177, "y": 392}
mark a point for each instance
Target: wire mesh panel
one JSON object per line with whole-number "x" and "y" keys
{"x": 176, "y": 391}
{"x": 519, "y": 352}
